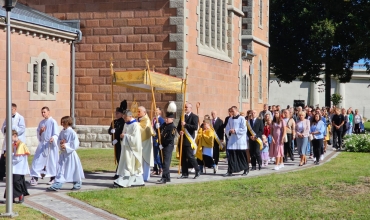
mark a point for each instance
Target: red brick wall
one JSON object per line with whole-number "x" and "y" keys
{"x": 125, "y": 30}
{"x": 23, "y": 48}
{"x": 212, "y": 82}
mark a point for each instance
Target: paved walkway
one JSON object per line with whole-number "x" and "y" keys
{"x": 61, "y": 206}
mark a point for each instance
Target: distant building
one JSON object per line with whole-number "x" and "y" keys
{"x": 355, "y": 93}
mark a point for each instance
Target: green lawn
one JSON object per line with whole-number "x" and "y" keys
{"x": 339, "y": 189}
{"x": 367, "y": 126}
{"x": 26, "y": 213}
{"x": 94, "y": 160}
{"x": 100, "y": 160}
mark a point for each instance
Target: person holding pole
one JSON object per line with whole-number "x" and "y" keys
{"x": 190, "y": 125}
{"x": 146, "y": 139}
{"x": 46, "y": 157}
{"x": 115, "y": 130}
{"x": 157, "y": 169}
{"x": 168, "y": 133}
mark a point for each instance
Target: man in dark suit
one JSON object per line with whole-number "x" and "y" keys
{"x": 115, "y": 133}
{"x": 157, "y": 169}
{"x": 191, "y": 125}
{"x": 254, "y": 146}
{"x": 217, "y": 125}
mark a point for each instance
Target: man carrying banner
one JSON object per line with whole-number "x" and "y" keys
{"x": 217, "y": 125}
{"x": 190, "y": 126}
{"x": 255, "y": 132}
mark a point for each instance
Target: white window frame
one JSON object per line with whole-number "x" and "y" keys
{"x": 215, "y": 41}
{"x": 38, "y": 95}
{"x": 260, "y": 14}
{"x": 260, "y": 81}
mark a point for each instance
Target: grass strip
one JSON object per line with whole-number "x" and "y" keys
{"x": 26, "y": 213}
{"x": 339, "y": 189}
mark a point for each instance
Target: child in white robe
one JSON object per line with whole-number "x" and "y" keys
{"x": 69, "y": 168}
{"x": 20, "y": 168}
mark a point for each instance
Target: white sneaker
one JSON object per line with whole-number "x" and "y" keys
{"x": 322, "y": 157}
{"x": 281, "y": 165}
{"x": 33, "y": 182}
{"x": 192, "y": 170}
{"x": 51, "y": 182}
{"x": 276, "y": 167}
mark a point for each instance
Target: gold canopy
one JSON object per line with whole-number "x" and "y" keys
{"x": 139, "y": 79}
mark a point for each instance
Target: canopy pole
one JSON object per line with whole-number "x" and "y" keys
{"x": 111, "y": 92}
{"x": 154, "y": 105}
{"x": 183, "y": 116}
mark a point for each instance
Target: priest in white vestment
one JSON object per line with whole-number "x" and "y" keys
{"x": 147, "y": 141}
{"x": 130, "y": 170}
{"x": 69, "y": 167}
{"x": 47, "y": 153}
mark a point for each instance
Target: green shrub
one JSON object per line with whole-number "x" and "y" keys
{"x": 357, "y": 143}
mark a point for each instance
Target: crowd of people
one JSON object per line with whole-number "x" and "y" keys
{"x": 252, "y": 140}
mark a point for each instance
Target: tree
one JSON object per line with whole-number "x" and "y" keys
{"x": 312, "y": 37}
{"x": 336, "y": 99}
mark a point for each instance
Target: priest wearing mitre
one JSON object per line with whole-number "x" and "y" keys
{"x": 146, "y": 139}
{"x": 130, "y": 170}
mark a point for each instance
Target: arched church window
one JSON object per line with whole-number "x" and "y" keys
{"x": 35, "y": 78}
{"x": 44, "y": 76}
{"x": 260, "y": 80}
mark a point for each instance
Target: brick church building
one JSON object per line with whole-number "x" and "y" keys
{"x": 223, "y": 43}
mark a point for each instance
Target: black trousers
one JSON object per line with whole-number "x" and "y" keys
{"x": 167, "y": 156}
{"x": 288, "y": 148}
{"x": 188, "y": 157}
{"x": 317, "y": 144}
{"x": 19, "y": 186}
{"x": 216, "y": 153}
{"x": 337, "y": 138}
{"x": 255, "y": 153}
{"x": 117, "y": 152}
{"x": 2, "y": 166}
{"x": 357, "y": 128}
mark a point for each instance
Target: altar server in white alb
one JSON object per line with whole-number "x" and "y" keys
{"x": 47, "y": 153}
{"x": 69, "y": 166}
{"x": 130, "y": 169}
{"x": 18, "y": 125}
{"x": 236, "y": 131}
{"x": 20, "y": 168}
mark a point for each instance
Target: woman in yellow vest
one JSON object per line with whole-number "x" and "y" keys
{"x": 205, "y": 141}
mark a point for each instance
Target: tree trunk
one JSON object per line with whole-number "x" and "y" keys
{"x": 327, "y": 87}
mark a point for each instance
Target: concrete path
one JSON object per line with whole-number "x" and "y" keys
{"x": 61, "y": 206}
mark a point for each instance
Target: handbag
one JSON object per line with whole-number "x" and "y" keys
{"x": 285, "y": 139}
{"x": 311, "y": 137}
